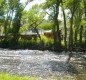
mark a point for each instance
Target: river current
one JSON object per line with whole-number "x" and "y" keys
{"x": 44, "y": 64}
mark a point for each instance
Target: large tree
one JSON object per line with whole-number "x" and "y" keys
{"x": 18, "y": 9}
{"x": 72, "y": 5}
{"x": 65, "y": 26}
{"x": 53, "y": 8}
{"x": 33, "y": 18}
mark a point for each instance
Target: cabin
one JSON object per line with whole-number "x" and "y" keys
{"x": 32, "y": 33}
{"x": 29, "y": 34}
{"x": 49, "y": 34}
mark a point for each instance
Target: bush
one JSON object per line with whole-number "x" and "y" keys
{"x": 4, "y": 44}
{"x": 31, "y": 44}
{"x": 48, "y": 42}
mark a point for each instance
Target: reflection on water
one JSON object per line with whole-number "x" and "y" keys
{"x": 43, "y": 63}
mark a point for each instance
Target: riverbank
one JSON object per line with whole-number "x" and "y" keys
{"x": 45, "y": 44}
{"x": 7, "y": 76}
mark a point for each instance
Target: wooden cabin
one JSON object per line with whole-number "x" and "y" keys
{"x": 28, "y": 36}
{"x": 49, "y": 34}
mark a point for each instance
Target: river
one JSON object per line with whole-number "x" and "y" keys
{"x": 43, "y": 64}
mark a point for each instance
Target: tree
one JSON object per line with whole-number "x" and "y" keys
{"x": 77, "y": 23}
{"x": 2, "y": 18}
{"x": 34, "y": 17}
{"x": 72, "y": 5}
{"x": 85, "y": 17}
{"x": 53, "y": 7}
{"x": 65, "y": 27}
{"x": 18, "y": 9}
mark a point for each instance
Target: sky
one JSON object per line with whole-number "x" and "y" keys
{"x": 32, "y": 3}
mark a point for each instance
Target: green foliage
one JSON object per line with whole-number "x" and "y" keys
{"x": 23, "y": 28}
{"x": 33, "y": 14}
{"x": 1, "y": 1}
{"x": 14, "y": 19}
{"x": 4, "y": 44}
{"x": 83, "y": 22}
{"x": 33, "y": 17}
{"x": 72, "y": 4}
{"x": 46, "y": 25}
{"x": 31, "y": 44}
{"x": 36, "y": 44}
{"x": 48, "y": 42}
{"x": 48, "y": 4}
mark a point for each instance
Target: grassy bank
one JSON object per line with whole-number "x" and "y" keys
{"x": 5, "y": 76}
{"x": 36, "y": 44}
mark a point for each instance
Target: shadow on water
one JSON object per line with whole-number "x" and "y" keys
{"x": 62, "y": 67}
{"x": 81, "y": 68}
{"x": 72, "y": 69}
{"x": 79, "y": 62}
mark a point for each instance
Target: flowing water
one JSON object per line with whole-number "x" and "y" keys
{"x": 43, "y": 64}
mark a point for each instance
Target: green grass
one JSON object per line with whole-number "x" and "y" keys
{"x": 5, "y": 76}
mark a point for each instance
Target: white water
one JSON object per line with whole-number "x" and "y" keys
{"x": 34, "y": 62}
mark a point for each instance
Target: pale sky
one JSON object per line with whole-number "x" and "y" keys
{"x": 32, "y": 3}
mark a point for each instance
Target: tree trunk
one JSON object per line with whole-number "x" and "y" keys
{"x": 81, "y": 30}
{"x": 5, "y": 30}
{"x": 85, "y": 35}
{"x": 54, "y": 35}
{"x": 71, "y": 34}
{"x": 65, "y": 30}
{"x": 16, "y": 28}
{"x": 75, "y": 37}
{"x": 85, "y": 16}
{"x": 56, "y": 31}
{"x": 57, "y": 27}
{"x": 58, "y": 36}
